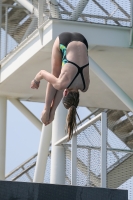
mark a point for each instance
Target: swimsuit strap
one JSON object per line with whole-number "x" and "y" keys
{"x": 80, "y": 71}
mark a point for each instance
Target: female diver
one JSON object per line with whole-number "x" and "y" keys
{"x": 70, "y": 50}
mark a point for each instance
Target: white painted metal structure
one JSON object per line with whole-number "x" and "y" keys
{"x": 58, "y": 153}
{"x": 103, "y": 117}
{"x": 73, "y": 160}
{"x": 110, "y": 53}
{"x": 3, "y": 111}
{"x": 102, "y": 51}
{"x": 42, "y": 153}
{"x": 28, "y": 6}
{"x": 103, "y": 149}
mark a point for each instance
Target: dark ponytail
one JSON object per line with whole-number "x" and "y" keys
{"x": 71, "y": 102}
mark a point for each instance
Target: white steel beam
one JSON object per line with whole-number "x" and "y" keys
{"x": 3, "y": 114}
{"x": 28, "y": 6}
{"x": 103, "y": 149}
{"x": 12, "y": 6}
{"x": 89, "y": 168}
{"x": 74, "y": 160}
{"x": 111, "y": 84}
{"x": 40, "y": 19}
{"x": 79, "y": 9}
{"x": 30, "y": 28}
{"x": 42, "y": 153}
{"x": 54, "y": 9}
{"x": 27, "y": 113}
{"x": 6, "y": 29}
{"x": 105, "y": 11}
{"x": 110, "y": 17}
{"x": 40, "y": 12}
{"x": 120, "y": 8}
{"x": 84, "y": 169}
{"x": 79, "y": 130}
{"x": 58, "y": 152}
{"x": 95, "y": 33}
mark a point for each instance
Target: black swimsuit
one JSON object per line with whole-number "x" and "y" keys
{"x": 65, "y": 38}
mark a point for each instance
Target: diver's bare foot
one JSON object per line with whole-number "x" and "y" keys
{"x": 51, "y": 116}
{"x": 45, "y": 116}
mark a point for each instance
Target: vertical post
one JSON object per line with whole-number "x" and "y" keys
{"x": 89, "y": 165}
{"x": 54, "y": 9}
{"x": 40, "y": 11}
{"x": 74, "y": 160}
{"x": 0, "y": 27}
{"x": 40, "y": 19}
{"x": 79, "y": 9}
{"x": 58, "y": 152}
{"x": 131, "y": 24}
{"x": 131, "y": 11}
{"x": 3, "y": 111}
{"x": 42, "y": 153}
{"x": 6, "y": 29}
{"x": 103, "y": 149}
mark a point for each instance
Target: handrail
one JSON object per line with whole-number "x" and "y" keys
{"x": 79, "y": 130}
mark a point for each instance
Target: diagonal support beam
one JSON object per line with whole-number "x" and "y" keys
{"x": 29, "y": 7}
{"x": 27, "y": 113}
{"x": 79, "y": 9}
{"x": 105, "y": 11}
{"x": 30, "y": 28}
{"x": 111, "y": 84}
{"x": 71, "y": 6}
{"x": 120, "y": 8}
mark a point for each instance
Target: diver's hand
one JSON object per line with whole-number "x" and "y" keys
{"x": 34, "y": 84}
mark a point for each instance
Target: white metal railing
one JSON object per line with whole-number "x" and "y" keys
{"x": 79, "y": 130}
{"x": 103, "y": 117}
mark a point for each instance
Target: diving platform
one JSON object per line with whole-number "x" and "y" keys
{"x": 26, "y": 191}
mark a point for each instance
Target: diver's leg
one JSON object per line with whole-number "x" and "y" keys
{"x": 56, "y": 62}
